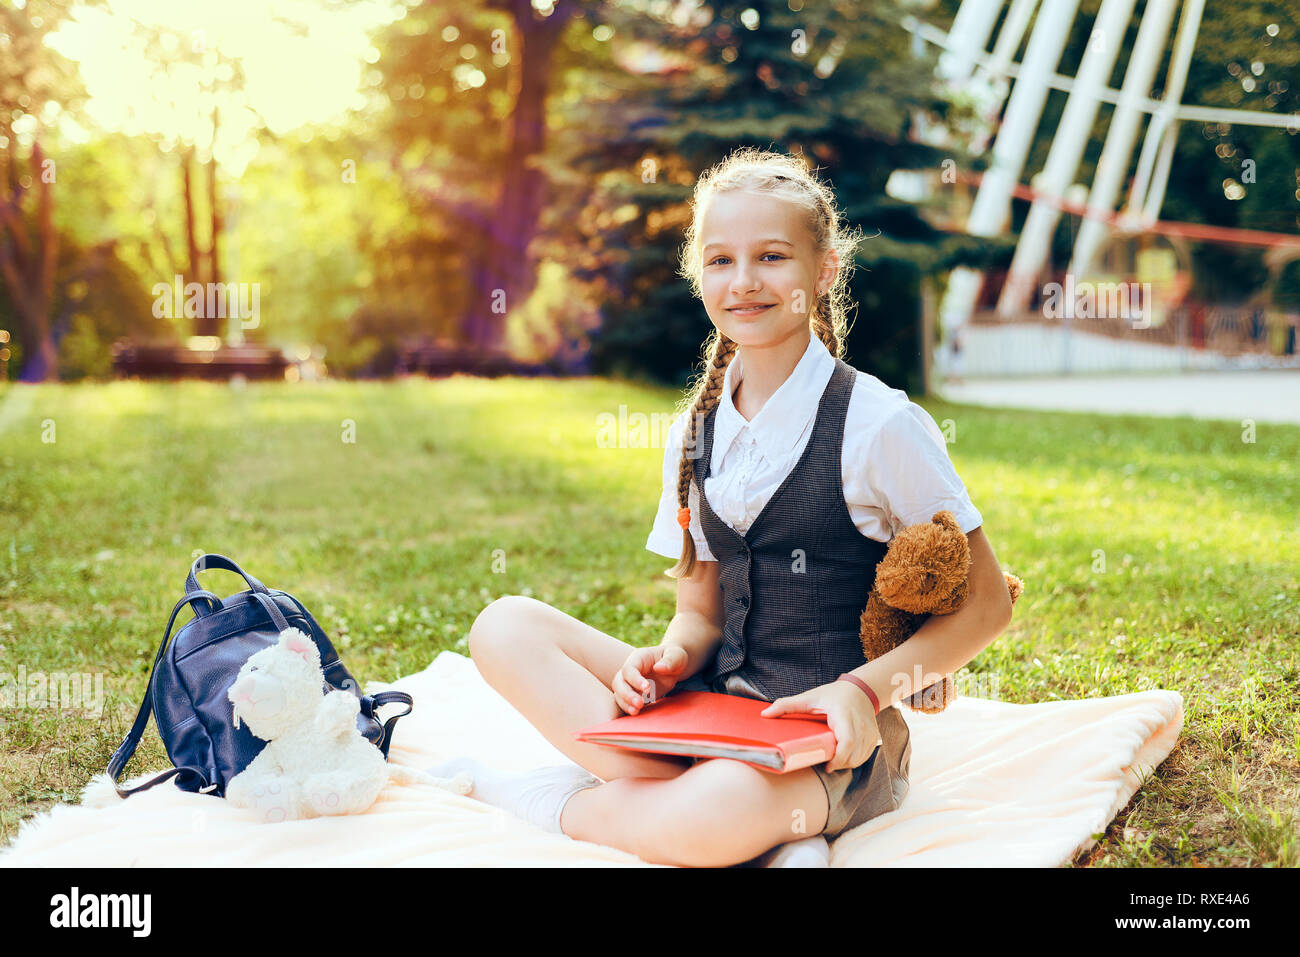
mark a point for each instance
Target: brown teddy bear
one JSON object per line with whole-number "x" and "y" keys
{"x": 923, "y": 573}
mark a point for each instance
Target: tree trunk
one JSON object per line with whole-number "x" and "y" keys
{"x": 29, "y": 272}
{"x": 213, "y": 257}
{"x": 203, "y": 324}
{"x": 505, "y": 269}
{"x": 42, "y": 363}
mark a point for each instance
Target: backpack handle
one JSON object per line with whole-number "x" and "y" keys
{"x": 370, "y": 705}
{"x": 204, "y": 562}
{"x": 127, "y": 748}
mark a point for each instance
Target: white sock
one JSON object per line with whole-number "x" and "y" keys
{"x": 806, "y": 852}
{"x": 537, "y": 796}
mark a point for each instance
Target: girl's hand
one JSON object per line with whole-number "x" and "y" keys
{"x": 665, "y": 663}
{"x": 849, "y": 713}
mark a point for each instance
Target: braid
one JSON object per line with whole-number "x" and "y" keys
{"x": 824, "y": 328}
{"x": 828, "y": 319}
{"x": 708, "y": 393}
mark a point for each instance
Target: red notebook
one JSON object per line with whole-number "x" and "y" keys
{"x": 709, "y": 724}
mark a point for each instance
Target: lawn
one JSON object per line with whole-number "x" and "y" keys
{"x": 1156, "y": 553}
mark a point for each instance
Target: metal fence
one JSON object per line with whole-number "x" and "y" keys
{"x": 1190, "y": 337}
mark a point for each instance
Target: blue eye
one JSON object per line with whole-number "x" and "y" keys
{"x": 764, "y": 256}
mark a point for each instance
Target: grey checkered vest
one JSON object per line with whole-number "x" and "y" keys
{"x": 795, "y": 584}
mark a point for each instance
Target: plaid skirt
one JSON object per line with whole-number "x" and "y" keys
{"x": 855, "y": 795}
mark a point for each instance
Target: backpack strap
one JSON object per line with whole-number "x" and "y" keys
{"x": 181, "y": 774}
{"x": 127, "y": 748}
{"x": 372, "y": 703}
{"x": 272, "y": 610}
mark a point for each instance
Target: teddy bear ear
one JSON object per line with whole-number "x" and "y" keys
{"x": 297, "y": 642}
{"x": 946, "y": 519}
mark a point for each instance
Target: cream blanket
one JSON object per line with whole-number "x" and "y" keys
{"x": 991, "y": 784}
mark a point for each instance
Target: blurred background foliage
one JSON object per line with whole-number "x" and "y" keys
{"x": 513, "y": 175}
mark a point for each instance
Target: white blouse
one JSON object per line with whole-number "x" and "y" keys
{"x": 895, "y": 466}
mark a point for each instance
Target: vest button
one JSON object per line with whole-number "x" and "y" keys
{"x": 743, "y": 601}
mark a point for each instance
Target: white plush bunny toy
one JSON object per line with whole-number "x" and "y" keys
{"x": 315, "y": 762}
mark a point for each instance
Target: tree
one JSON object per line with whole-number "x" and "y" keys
{"x": 35, "y": 82}
{"x": 505, "y": 265}
{"x": 1242, "y": 176}
{"x": 493, "y": 64}
{"x": 199, "y": 77}
{"x": 836, "y": 81}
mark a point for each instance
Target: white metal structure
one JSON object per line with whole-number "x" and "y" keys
{"x": 966, "y": 66}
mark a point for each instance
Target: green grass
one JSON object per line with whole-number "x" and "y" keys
{"x": 1156, "y": 553}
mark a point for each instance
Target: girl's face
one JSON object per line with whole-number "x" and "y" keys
{"x": 761, "y": 274}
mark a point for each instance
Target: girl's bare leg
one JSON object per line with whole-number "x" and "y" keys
{"x": 556, "y": 670}
{"x": 719, "y": 813}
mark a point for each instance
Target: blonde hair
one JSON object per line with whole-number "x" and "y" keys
{"x": 787, "y": 177}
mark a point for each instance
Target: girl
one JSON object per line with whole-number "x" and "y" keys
{"x": 808, "y": 468}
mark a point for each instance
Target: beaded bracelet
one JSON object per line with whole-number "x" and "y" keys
{"x": 875, "y": 702}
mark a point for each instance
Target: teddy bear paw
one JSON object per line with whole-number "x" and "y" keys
{"x": 325, "y": 800}
{"x": 273, "y": 801}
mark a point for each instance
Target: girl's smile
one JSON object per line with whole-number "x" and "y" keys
{"x": 750, "y": 310}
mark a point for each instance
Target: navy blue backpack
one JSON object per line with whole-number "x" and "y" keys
{"x": 191, "y": 676}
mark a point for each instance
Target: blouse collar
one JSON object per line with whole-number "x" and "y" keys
{"x": 779, "y": 423}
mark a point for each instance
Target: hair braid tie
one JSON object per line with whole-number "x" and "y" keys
{"x": 684, "y": 518}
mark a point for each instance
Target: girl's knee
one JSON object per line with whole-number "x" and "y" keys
{"x": 500, "y": 623}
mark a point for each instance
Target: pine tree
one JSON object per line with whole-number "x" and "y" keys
{"x": 835, "y": 81}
